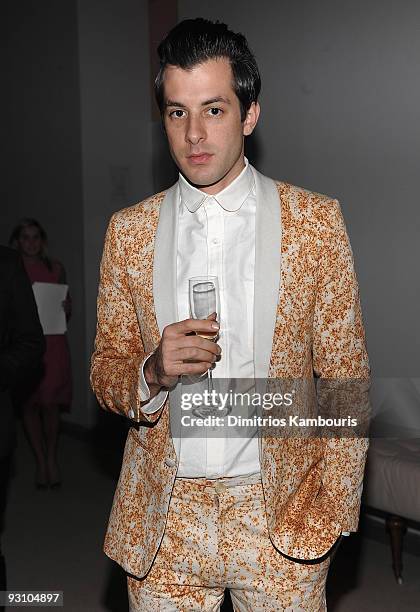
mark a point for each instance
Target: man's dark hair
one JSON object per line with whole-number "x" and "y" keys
{"x": 194, "y": 41}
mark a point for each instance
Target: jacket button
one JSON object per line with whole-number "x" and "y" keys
{"x": 170, "y": 463}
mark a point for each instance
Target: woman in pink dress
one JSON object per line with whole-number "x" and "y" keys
{"x": 42, "y": 399}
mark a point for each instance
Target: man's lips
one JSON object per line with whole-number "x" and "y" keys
{"x": 200, "y": 158}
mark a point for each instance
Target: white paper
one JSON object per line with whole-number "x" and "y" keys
{"x": 49, "y": 298}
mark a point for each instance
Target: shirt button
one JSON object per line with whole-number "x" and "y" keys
{"x": 215, "y": 241}
{"x": 170, "y": 463}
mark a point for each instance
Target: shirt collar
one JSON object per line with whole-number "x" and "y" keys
{"x": 231, "y": 198}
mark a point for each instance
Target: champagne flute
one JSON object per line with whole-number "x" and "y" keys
{"x": 204, "y": 299}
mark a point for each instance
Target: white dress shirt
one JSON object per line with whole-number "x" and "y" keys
{"x": 216, "y": 236}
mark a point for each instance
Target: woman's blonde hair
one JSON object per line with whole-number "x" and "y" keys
{"x": 29, "y": 222}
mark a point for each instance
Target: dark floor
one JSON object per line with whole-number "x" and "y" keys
{"x": 53, "y": 539}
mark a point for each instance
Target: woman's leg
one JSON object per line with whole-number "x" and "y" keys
{"x": 51, "y": 418}
{"x": 33, "y": 428}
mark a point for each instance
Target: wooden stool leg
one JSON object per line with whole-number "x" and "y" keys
{"x": 396, "y": 527}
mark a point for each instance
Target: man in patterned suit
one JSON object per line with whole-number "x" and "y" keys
{"x": 257, "y": 515}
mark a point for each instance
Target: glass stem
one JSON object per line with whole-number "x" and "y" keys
{"x": 210, "y": 383}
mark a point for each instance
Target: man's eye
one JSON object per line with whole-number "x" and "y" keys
{"x": 177, "y": 113}
{"x": 215, "y": 112}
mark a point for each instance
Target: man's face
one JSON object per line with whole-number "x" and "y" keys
{"x": 202, "y": 120}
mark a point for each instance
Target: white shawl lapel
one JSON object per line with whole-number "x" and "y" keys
{"x": 267, "y": 270}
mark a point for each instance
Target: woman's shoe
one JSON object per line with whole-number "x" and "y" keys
{"x": 41, "y": 481}
{"x": 54, "y": 477}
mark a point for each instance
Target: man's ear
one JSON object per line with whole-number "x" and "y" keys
{"x": 251, "y": 118}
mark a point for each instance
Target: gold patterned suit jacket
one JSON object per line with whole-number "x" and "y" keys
{"x": 307, "y": 320}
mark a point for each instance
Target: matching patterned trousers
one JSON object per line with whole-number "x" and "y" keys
{"x": 216, "y": 537}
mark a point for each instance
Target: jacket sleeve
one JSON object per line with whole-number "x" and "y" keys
{"x": 341, "y": 362}
{"x": 119, "y": 352}
{"x": 25, "y": 343}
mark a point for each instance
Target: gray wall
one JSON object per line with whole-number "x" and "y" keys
{"x": 79, "y": 141}
{"x": 116, "y": 128}
{"x": 43, "y": 173}
{"x": 340, "y": 116}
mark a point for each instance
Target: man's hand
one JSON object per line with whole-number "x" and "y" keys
{"x": 180, "y": 352}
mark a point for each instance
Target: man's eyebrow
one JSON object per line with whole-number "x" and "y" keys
{"x": 174, "y": 103}
{"x": 205, "y": 103}
{"x": 217, "y": 99}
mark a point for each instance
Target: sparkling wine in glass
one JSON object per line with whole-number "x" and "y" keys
{"x": 204, "y": 299}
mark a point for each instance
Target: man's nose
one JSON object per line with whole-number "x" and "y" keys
{"x": 195, "y": 130}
